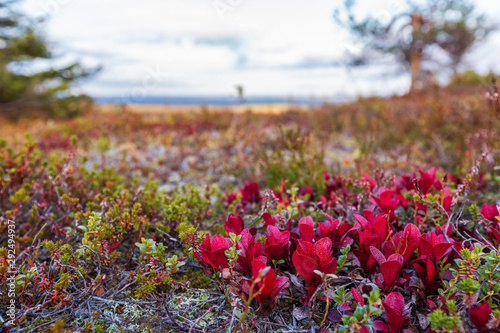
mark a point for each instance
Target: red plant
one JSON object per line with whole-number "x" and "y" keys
{"x": 277, "y": 243}
{"x": 234, "y": 224}
{"x": 337, "y": 231}
{"x": 250, "y": 193}
{"x": 394, "y": 306}
{"x": 375, "y": 231}
{"x": 250, "y": 250}
{"x": 266, "y": 288}
{"x": 269, "y": 220}
{"x": 229, "y": 198}
{"x": 114, "y": 245}
{"x": 367, "y": 180}
{"x": 432, "y": 244}
{"x": 404, "y": 242}
{"x": 375, "y": 225}
{"x": 480, "y": 316}
{"x": 390, "y": 268}
{"x": 213, "y": 252}
{"x": 308, "y": 257}
{"x": 446, "y": 199}
{"x": 428, "y": 181}
{"x": 490, "y": 212}
{"x": 277, "y": 221}
{"x": 426, "y": 269}
{"x": 335, "y": 183}
{"x": 336, "y": 190}
{"x": 408, "y": 182}
{"x": 388, "y": 201}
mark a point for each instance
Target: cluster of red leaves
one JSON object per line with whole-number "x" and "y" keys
{"x": 309, "y": 258}
{"x": 212, "y": 253}
{"x": 491, "y": 215}
{"x": 250, "y": 194}
{"x": 388, "y": 252}
{"x": 297, "y": 250}
{"x": 267, "y": 285}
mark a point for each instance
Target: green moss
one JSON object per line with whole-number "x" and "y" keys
{"x": 196, "y": 278}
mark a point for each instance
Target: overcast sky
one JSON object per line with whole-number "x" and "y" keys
{"x": 190, "y": 47}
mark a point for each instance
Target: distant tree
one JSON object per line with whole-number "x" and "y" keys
{"x": 241, "y": 93}
{"x": 417, "y": 35}
{"x": 25, "y": 91}
{"x": 456, "y": 37}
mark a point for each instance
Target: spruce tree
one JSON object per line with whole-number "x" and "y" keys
{"x": 25, "y": 91}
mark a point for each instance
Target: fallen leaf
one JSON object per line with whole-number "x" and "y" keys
{"x": 226, "y": 273}
{"x": 100, "y": 291}
{"x": 301, "y": 313}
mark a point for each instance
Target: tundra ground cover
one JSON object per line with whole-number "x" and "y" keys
{"x": 377, "y": 216}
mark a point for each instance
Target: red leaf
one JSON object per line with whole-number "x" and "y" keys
{"x": 425, "y": 247}
{"x": 361, "y": 220}
{"x": 306, "y": 248}
{"x": 412, "y": 235}
{"x": 431, "y": 305}
{"x": 489, "y": 212}
{"x": 270, "y": 285}
{"x": 268, "y": 282}
{"x": 396, "y": 257}
{"x": 212, "y": 252}
{"x": 390, "y": 271}
{"x": 234, "y": 224}
{"x": 480, "y": 316}
{"x": 250, "y": 250}
{"x": 380, "y": 326}
{"x": 357, "y": 296}
{"x": 281, "y": 283}
{"x": 380, "y": 227}
{"x": 367, "y": 239}
{"x": 305, "y": 266}
{"x": 431, "y": 271}
{"x": 441, "y": 249}
{"x": 268, "y": 219}
{"x": 277, "y": 243}
{"x": 218, "y": 243}
{"x": 306, "y": 229}
{"x": 394, "y": 305}
{"x": 379, "y": 256}
{"x": 250, "y": 193}
{"x": 322, "y": 250}
{"x": 433, "y": 244}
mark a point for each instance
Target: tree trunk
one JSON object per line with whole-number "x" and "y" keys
{"x": 415, "y": 52}
{"x": 415, "y": 62}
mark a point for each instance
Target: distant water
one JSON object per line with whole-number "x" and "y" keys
{"x": 214, "y": 100}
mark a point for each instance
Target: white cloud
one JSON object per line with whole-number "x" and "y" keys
{"x": 258, "y": 44}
